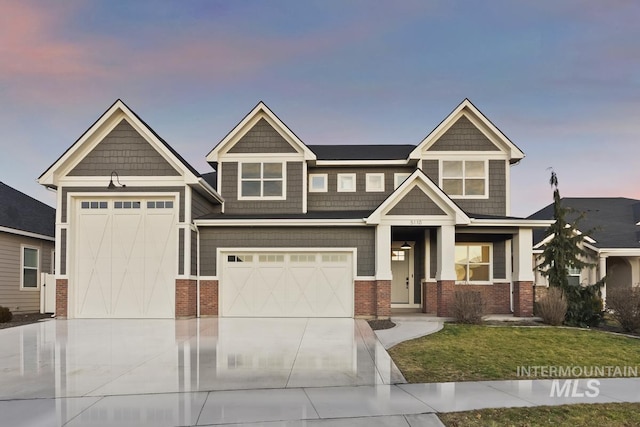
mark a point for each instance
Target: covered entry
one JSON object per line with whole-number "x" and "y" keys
{"x": 125, "y": 258}
{"x": 286, "y": 284}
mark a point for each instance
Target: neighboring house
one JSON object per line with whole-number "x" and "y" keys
{"x": 27, "y": 230}
{"x": 282, "y": 228}
{"x": 613, "y": 244}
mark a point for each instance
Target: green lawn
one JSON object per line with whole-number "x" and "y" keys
{"x": 472, "y": 353}
{"x": 586, "y": 415}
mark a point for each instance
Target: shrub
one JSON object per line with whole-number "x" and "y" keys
{"x": 5, "y": 315}
{"x": 584, "y": 305}
{"x": 468, "y": 307}
{"x": 552, "y": 307}
{"x": 624, "y": 305}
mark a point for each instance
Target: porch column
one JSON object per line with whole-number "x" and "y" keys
{"x": 602, "y": 272}
{"x": 383, "y": 271}
{"x": 523, "y": 273}
{"x": 446, "y": 273}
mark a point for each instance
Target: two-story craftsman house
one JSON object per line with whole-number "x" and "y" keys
{"x": 285, "y": 229}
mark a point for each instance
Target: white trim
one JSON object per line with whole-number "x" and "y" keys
{"x": 258, "y": 112}
{"x": 457, "y": 155}
{"x": 128, "y": 180}
{"x": 365, "y": 278}
{"x": 262, "y": 180}
{"x": 325, "y": 188}
{"x": 369, "y": 188}
{"x": 208, "y": 277}
{"x": 279, "y": 222}
{"x": 464, "y": 178}
{"x": 27, "y": 234}
{"x": 305, "y": 176}
{"x": 346, "y": 175}
{"x": 209, "y": 189}
{"x": 38, "y": 267}
{"x": 398, "y": 175}
{"x": 362, "y": 162}
{"x": 507, "y": 188}
{"x": 255, "y": 158}
{"x": 483, "y": 124}
{"x": 531, "y": 223}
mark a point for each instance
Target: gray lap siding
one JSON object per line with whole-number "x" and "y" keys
{"x": 362, "y": 238}
{"x": 332, "y": 200}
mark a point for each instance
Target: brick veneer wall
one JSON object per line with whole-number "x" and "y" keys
{"x": 208, "y": 298}
{"x": 372, "y": 298}
{"x": 62, "y": 298}
{"x": 440, "y": 297}
{"x": 523, "y": 299}
{"x": 186, "y": 298}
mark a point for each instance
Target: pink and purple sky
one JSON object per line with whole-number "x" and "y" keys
{"x": 560, "y": 78}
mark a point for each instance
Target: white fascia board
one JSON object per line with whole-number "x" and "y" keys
{"x": 258, "y": 112}
{"x": 632, "y": 252}
{"x": 26, "y": 234}
{"x": 209, "y": 189}
{"x": 277, "y": 222}
{"x": 404, "y": 162}
{"x": 526, "y": 223}
{"x": 129, "y": 181}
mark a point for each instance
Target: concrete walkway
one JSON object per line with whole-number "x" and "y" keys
{"x": 409, "y": 327}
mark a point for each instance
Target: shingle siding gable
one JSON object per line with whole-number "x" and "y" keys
{"x": 463, "y": 136}
{"x": 262, "y": 138}
{"x": 416, "y": 202}
{"x": 125, "y": 151}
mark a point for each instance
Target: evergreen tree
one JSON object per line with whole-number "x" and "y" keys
{"x": 565, "y": 251}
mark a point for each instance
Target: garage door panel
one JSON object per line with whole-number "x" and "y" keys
{"x": 287, "y": 285}
{"x": 126, "y": 261}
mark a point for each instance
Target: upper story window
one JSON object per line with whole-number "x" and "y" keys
{"x": 318, "y": 183}
{"x": 398, "y": 179}
{"x": 346, "y": 183}
{"x": 473, "y": 262}
{"x": 30, "y": 267}
{"x": 464, "y": 178}
{"x": 261, "y": 181}
{"x": 375, "y": 182}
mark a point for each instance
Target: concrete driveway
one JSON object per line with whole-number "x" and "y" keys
{"x": 81, "y": 358}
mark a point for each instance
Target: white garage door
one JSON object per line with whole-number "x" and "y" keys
{"x": 125, "y": 263}
{"x": 273, "y": 284}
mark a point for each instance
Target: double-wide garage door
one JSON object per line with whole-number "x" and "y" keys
{"x": 287, "y": 284}
{"x": 125, "y": 258}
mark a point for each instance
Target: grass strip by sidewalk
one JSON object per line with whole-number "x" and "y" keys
{"x": 584, "y": 415}
{"x": 475, "y": 353}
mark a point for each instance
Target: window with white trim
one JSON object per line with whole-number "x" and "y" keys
{"x": 375, "y": 182}
{"x": 473, "y": 262}
{"x": 346, "y": 183}
{"x": 30, "y": 267}
{"x": 262, "y": 180}
{"x": 464, "y": 178}
{"x": 318, "y": 183}
{"x": 399, "y": 178}
{"x": 573, "y": 276}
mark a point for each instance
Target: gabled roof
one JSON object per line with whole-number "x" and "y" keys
{"x": 614, "y": 220}
{"x": 21, "y": 213}
{"x": 362, "y": 152}
{"x": 47, "y": 178}
{"x": 439, "y": 197}
{"x": 260, "y": 111}
{"x": 492, "y": 132}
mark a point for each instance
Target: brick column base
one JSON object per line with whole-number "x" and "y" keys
{"x": 445, "y": 294}
{"x": 186, "y": 298}
{"x": 523, "y": 299}
{"x": 429, "y": 297}
{"x": 383, "y": 299}
{"x": 208, "y": 298}
{"x": 62, "y": 298}
{"x": 365, "y": 298}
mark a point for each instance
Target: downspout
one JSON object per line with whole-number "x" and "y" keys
{"x": 198, "y": 269}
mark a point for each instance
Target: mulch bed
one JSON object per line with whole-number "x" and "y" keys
{"x": 376, "y": 325}
{"x": 24, "y": 319}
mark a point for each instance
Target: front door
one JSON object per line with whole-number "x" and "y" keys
{"x": 401, "y": 272}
